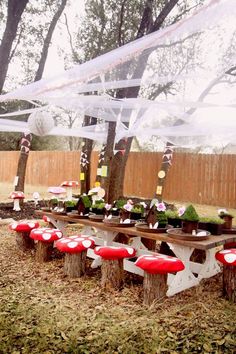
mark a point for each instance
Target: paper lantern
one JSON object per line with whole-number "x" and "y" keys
{"x": 40, "y": 123}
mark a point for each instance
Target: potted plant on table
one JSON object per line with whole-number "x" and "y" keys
{"x": 173, "y": 218}
{"x": 70, "y": 205}
{"x": 212, "y": 224}
{"x": 189, "y": 218}
{"x": 98, "y": 207}
{"x": 227, "y": 218}
{"x": 138, "y": 210}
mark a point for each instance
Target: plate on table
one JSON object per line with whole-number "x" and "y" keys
{"x": 45, "y": 209}
{"x": 97, "y": 218}
{"x": 58, "y": 212}
{"x": 145, "y": 228}
{"x": 115, "y": 222}
{"x": 77, "y": 215}
{"x": 178, "y": 234}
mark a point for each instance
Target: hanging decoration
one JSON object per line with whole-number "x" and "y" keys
{"x": 40, "y": 123}
{"x": 167, "y": 156}
{"x": 101, "y": 156}
{"x": 25, "y": 143}
{"x": 192, "y": 117}
{"x": 84, "y": 159}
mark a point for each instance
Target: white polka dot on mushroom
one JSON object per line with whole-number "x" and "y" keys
{"x": 86, "y": 243}
{"x": 72, "y": 244}
{"x": 46, "y": 236}
{"x": 230, "y": 258}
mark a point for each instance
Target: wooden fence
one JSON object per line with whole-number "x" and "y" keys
{"x": 197, "y": 178}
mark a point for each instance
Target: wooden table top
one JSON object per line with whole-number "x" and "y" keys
{"x": 211, "y": 242}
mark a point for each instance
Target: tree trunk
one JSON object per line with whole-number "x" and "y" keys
{"x": 24, "y": 242}
{"x": 165, "y": 165}
{"x": 154, "y": 286}
{"x": 22, "y": 162}
{"x": 85, "y": 158}
{"x": 112, "y": 274}
{"x": 75, "y": 264}
{"x": 43, "y": 251}
{"x": 229, "y": 282}
{"x": 15, "y": 9}
{"x": 48, "y": 39}
{"x": 119, "y": 161}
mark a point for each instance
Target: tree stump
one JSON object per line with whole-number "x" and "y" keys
{"x": 43, "y": 251}
{"x": 154, "y": 286}
{"x": 74, "y": 265}
{"x": 24, "y": 242}
{"x": 112, "y": 274}
{"x": 229, "y": 282}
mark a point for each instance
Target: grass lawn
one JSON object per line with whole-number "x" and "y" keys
{"x": 42, "y": 311}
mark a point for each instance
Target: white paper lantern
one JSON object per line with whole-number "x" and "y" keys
{"x": 40, "y": 123}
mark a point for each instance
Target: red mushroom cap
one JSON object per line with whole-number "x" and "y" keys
{"x": 75, "y": 244}
{"x": 159, "y": 264}
{"x": 227, "y": 257}
{"x": 46, "y": 218}
{"x": 24, "y": 225}
{"x": 70, "y": 183}
{"x": 17, "y": 195}
{"x": 110, "y": 252}
{"x": 46, "y": 234}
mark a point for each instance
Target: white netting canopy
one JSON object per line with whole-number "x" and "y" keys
{"x": 187, "y": 77}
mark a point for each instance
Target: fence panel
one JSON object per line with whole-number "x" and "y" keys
{"x": 196, "y": 178}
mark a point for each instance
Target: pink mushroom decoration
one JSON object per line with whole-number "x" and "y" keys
{"x": 69, "y": 185}
{"x": 228, "y": 258}
{"x": 156, "y": 267}
{"x": 56, "y": 191}
{"x": 16, "y": 196}
{"x": 112, "y": 264}
{"x": 75, "y": 248}
{"x": 45, "y": 238}
{"x": 23, "y": 229}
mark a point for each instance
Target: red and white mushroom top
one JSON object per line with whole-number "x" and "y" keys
{"x": 46, "y": 234}
{"x": 159, "y": 264}
{"x": 75, "y": 244}
{"x": 70, "y": 183}
{"x": 24, "y": 225}
{"x": 112, "y": 253}
{"x": 46, "y": 218}
{"x": 17, "y": 195}
{"x": 227, "y": 257}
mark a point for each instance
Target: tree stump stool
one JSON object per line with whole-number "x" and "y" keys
{"x": 228, "y": 258}
{"x": 156, "y": 267}
{"x": 112, "y": 265}
{"x": 45, "y": 238}
{"x": 75, "y": 248}
{"x": 23, "y": 229}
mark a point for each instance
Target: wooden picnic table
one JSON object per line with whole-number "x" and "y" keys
{"x": 183, "y": 249}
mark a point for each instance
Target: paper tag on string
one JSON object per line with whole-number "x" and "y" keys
{"x": 82, "y": 177}
{"x": 99, "y": 171}
{"x": 104, "y": 171}
{"x": 16, "y": 181}
{"x": 159, "y": 190}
